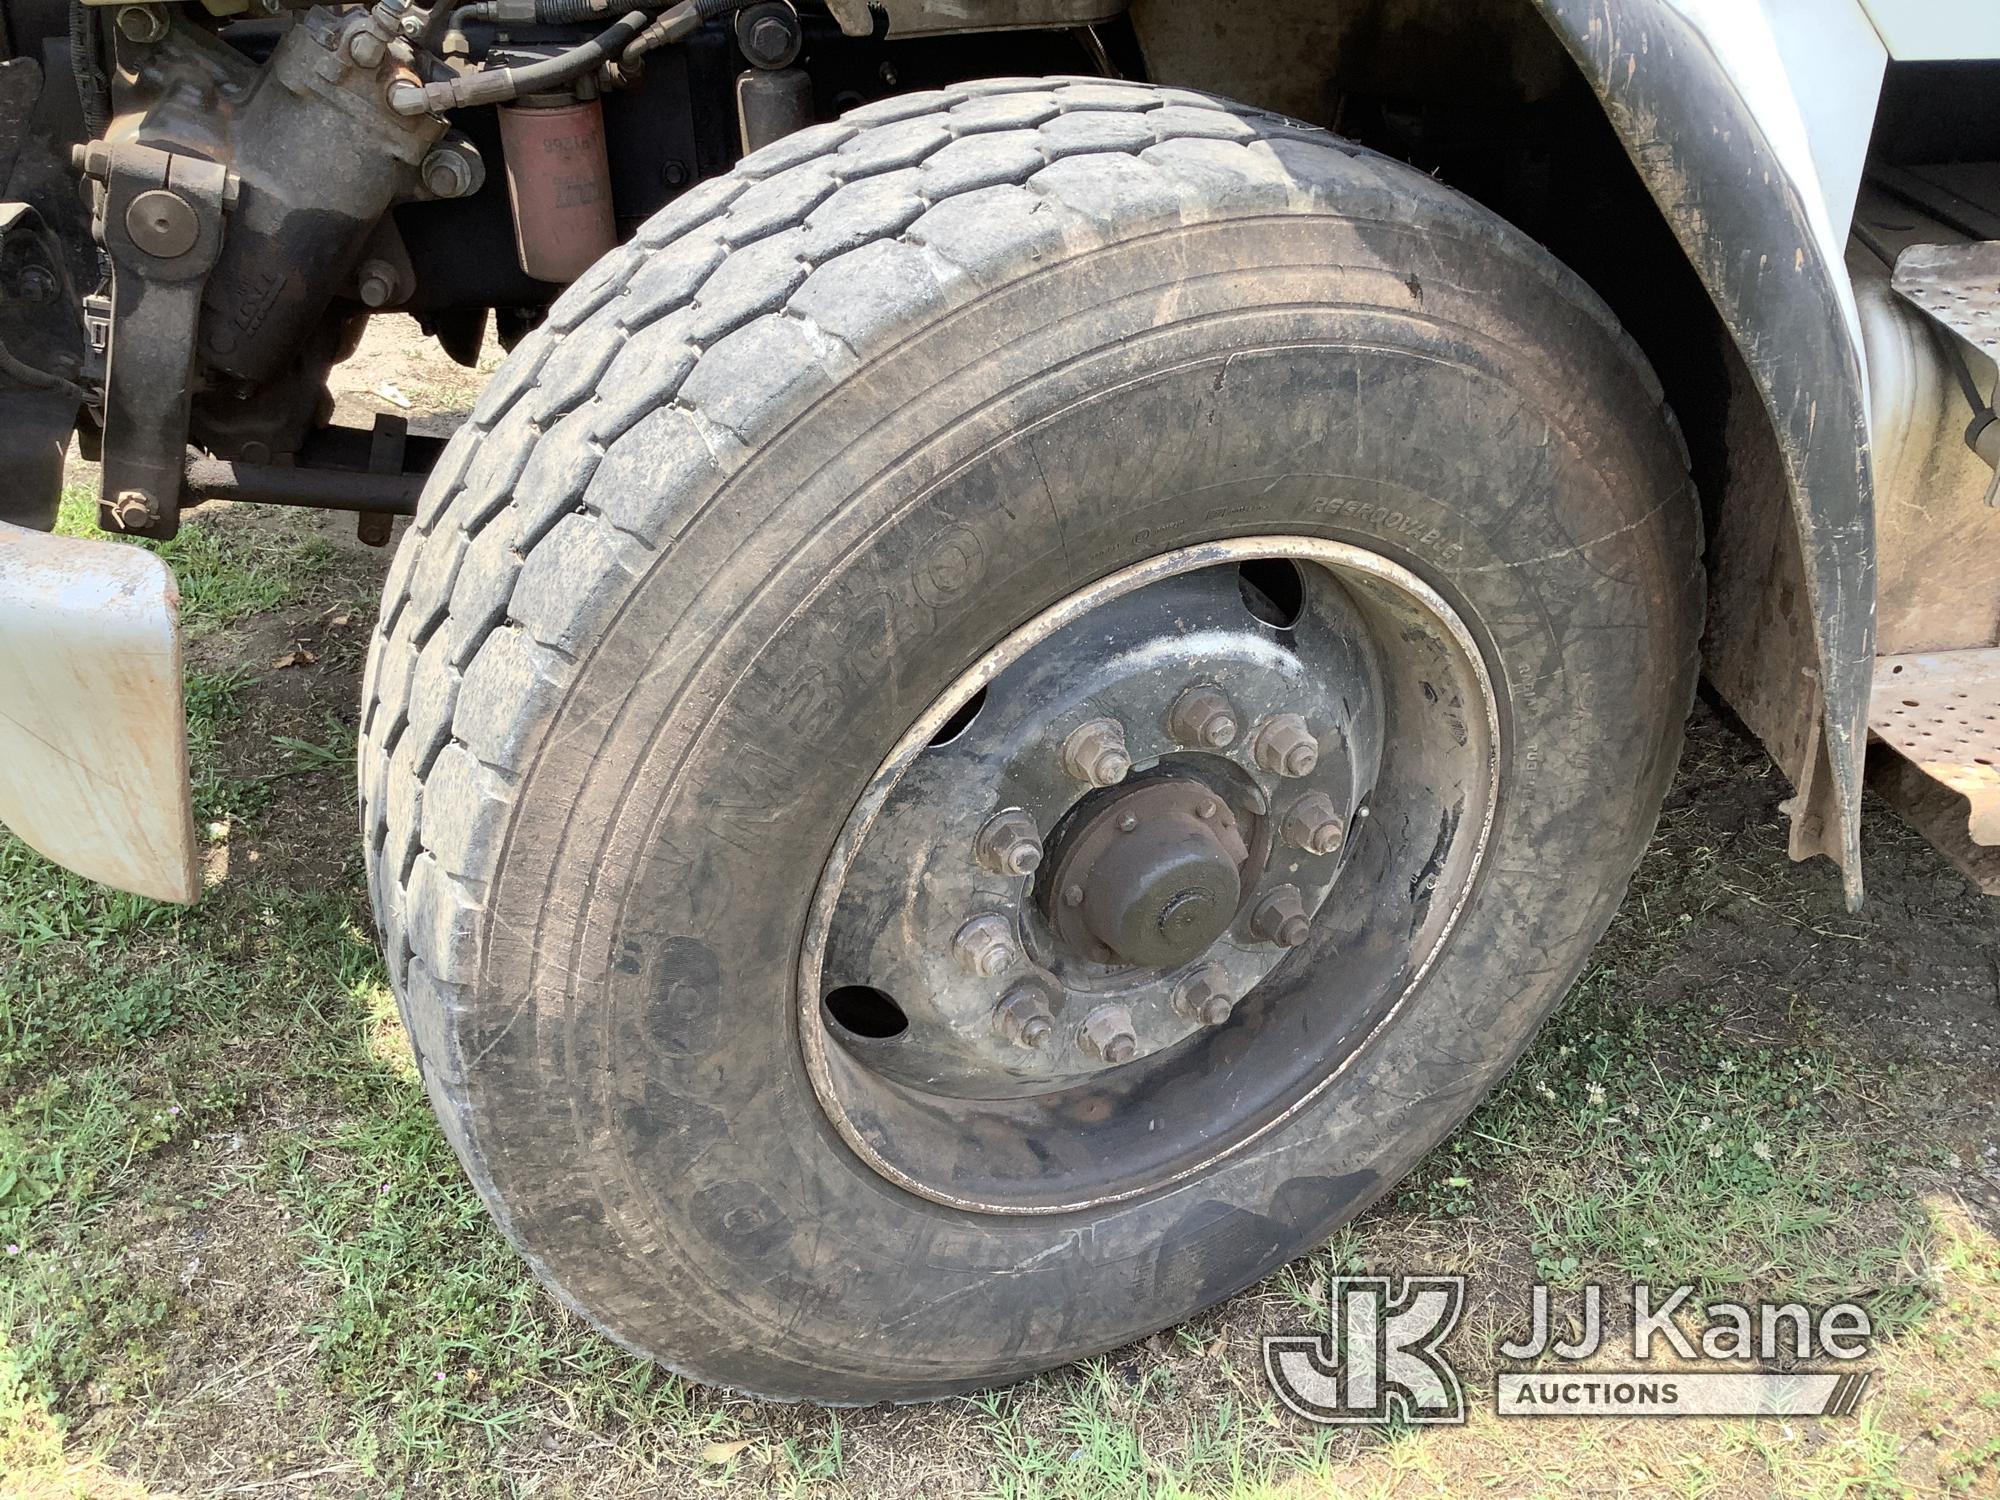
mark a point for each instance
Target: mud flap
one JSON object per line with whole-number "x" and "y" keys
{"x": 93, "y": 740}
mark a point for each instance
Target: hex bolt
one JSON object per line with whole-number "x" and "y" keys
{"x": 1313, "y": 824}
{"x": 985, "y": 945}
{"x": 1284, "y": 745}
{"x": 1009, "y": 844}
{"x": 1107, "y": 1034}
{"x": 142, "y": 24}
{"x": 1023, "y": 1015}
{"x": 1204, "y": 996}
{"x": 1095, "y": 752}
{"x": 1281, "y": 918}
{"x": 366, "y": 49}
{"x": 1203, "y": 717}
{"x": 376, "y": 282}
{"x": 453, "y": 169}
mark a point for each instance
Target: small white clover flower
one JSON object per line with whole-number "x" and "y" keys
{"x": 1705, "y": 1123}
{"x": 1596, "y": 1094}
{"x": 1761, "y": 1150}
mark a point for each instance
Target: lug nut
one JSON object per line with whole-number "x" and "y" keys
{"x": 1281, "y": 918}
{"x": 1203, "y": 717}
{"x": 985, "y": 945}
{"x": 1010, "y": 844}
{"x": 1107, "y": 1033}
{"x": 1313, "y": 824}
{"x": 1023, "y": 1015}
{"x": 1284, "y": 745}
{"x": 1204, "y": 996}
{"x": 1095, "y": 752}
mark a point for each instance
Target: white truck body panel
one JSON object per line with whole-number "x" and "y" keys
{"x": 1937, "y": 30}
{"x": 93, "y": 738}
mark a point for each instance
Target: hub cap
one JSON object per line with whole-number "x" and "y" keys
{"x": 1127, "y": 852}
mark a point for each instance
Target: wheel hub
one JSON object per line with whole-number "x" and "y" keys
{"x": 1051, "y": 962}
{"x": 1149, "y": 879}
{"x": 1105, "y": 831}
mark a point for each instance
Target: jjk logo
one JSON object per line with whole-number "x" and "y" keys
{"x": 1381, "y": 1360}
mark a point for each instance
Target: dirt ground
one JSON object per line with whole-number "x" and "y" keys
{"x": 255, "y": 1269}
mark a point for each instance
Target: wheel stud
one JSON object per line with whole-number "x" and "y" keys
{"x": 1107, "y": 1033}
{"x": 1010, "y": 844}
{"x": 1203, "y": 717}
{"x": 1204, "y": 996}
{"x": 1281, "y": 918}
{"x": 1284, "y": 745}
{"x": 1313, "y": 824}
{"x": 1095, "y": 752}
{"x": 1023, "y": 1015}
{"x": 985, "y": 945}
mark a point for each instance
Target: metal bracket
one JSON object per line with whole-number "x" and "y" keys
{"x": 160, "y": 219}
{"x": 386, "y": 450}
{"x": 1958, "y": 288}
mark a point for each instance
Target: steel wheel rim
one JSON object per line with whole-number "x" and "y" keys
{"x": 1391, "y": 592}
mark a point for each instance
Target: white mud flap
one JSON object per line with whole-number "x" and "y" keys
{"x": 93, "y": 739}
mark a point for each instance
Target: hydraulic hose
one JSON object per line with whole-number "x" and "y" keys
{"x": 499, "y": 85}
{"x": 632, "y": 35}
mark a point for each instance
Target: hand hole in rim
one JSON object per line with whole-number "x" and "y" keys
{"x": 1272, "y": 590}
{"x": 865, "y": 1012}
{"x": 960, "y": 721}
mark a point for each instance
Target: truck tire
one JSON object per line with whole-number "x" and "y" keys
{"x": 1003, "y": 718}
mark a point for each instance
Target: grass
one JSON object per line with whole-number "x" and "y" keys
{"x": 239, "y": 1252}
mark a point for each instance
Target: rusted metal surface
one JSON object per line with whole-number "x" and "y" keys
{"x": 1936, "y": 812}
{"x": 1959, "y": 286}
{"x": 1940, "y": 710}
{"x": 93, "y": 741}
